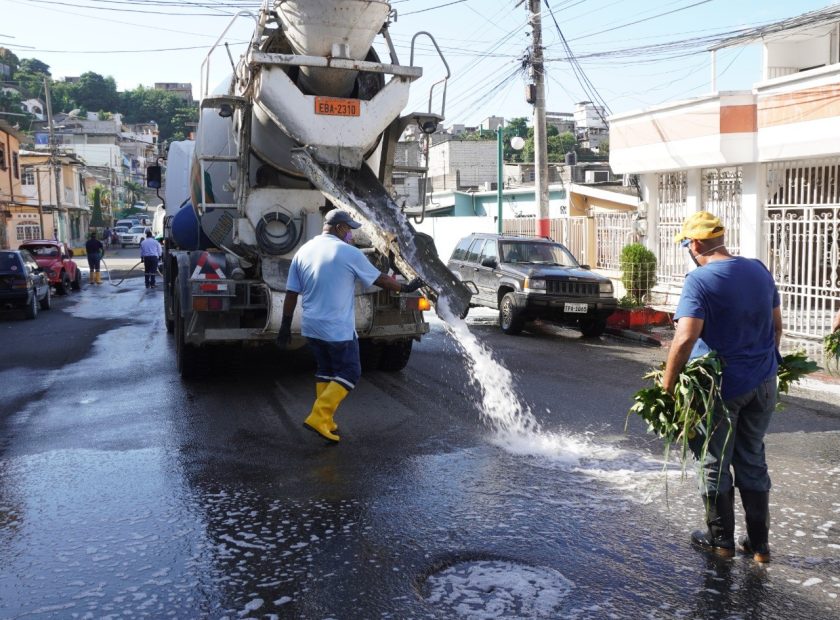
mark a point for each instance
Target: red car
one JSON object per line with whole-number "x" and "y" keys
{"x": 55, "y": 259}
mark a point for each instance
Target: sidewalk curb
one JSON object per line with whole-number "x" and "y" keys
{"x": 629, "y": 334}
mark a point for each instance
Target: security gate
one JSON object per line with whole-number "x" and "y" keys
{"x": 722, "y": 197}
{"x": 670, "y": 267}
{"x": 802, "y": 227}
{"x": 613, "y": 231}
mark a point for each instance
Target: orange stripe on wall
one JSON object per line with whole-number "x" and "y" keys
{"x": 738, "y": 119}
{"x": 804, "y": 105}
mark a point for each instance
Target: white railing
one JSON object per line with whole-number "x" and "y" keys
{"x": 577, "y": 227}
{"x": 672, "y": 211}
{"x": 613, "y": 231}
{"x": 721, "y": 195}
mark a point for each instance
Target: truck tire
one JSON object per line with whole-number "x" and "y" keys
{"x": 370, "y": 353}
{"x": 168, "y": 309}
{"x": 395, "y": 355}
{"x": 63, "y": 286}
{"x": 77, "y": 281}
{"x": 510, "y": 317}
{"x": 186, "y": 355}
{"x": 592, "y": 327}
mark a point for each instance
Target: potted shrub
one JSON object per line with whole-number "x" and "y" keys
{"x": 638, "y": 275}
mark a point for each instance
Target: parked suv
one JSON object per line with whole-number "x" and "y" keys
{"x": 529, "y": 278}
{"x": 133, "y": 236}
{"x": 55, "y": 259}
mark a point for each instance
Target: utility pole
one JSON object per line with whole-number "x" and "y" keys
{"x": 54, "y": 165}
{"x": 540, "y": 138}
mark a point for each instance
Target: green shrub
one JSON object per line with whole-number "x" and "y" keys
{"x": 638, "y": 267}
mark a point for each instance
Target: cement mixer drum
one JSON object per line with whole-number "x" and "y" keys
{"x": 331, "y": 28}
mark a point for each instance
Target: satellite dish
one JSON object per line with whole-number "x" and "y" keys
{"x": 517, "y": 143}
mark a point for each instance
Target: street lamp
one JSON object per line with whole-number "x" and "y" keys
{"x": 516, "y": 144}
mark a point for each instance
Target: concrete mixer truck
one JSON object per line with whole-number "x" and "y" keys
{"x": 308, "y": 121}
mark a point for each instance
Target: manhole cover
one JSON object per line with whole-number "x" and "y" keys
{"x": 497, "y": 589}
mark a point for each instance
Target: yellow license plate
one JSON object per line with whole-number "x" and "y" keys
{"x": 333, "y": 106}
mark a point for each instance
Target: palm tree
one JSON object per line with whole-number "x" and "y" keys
{"x": 133, "y": 192}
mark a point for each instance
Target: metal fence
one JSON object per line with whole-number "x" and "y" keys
{"x": 721, "y": 195}
{"x": 802, "y": 227}
{"x": 672, "y": 211}
{"x": 613, "y": 231}
{"x": 570, "y": 231}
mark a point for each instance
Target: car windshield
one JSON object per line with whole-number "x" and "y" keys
{"x": 537, "y": 253}
{"x": 43, "y": 251}
{"x": 137, "y": 229}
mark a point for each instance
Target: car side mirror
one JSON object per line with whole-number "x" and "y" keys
{"x": 586, "y": 267}
{"x": 489, "y": 262}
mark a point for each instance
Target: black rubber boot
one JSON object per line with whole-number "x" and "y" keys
{"x": 757, "y": 516}
{"x": 719, "y": 539}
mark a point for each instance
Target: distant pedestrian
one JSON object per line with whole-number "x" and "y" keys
{"x": 730, "y": 305}
{"x": 106, "y": 237}
{"x": 150, "y": 253}
{"x": 95, "y": 251}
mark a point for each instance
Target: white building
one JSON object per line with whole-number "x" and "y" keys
{"x": 765, "y": 159}
{"x": 459, "y": 164}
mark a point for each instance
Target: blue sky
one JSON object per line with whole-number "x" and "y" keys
{"x": 142, "y": 42}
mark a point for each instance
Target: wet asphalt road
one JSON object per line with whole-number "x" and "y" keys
{"x": 126, "y": 492}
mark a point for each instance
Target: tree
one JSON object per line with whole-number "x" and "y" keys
{"x": 33, "y": 65}
{"x": 96, "y": 219}
{"x": 133, "y": 192}
{"x": 167, "y": 109}
{"x": 95, "y": 92}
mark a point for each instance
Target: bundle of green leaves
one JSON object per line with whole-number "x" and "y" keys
{"x": 792, "y": 368}
{"x": 831, "y": 348}
{"x": 680, "y": 417}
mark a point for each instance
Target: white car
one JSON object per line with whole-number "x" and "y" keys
{"x": 134, "y": 236}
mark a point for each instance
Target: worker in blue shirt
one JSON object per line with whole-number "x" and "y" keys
{"x": 150, "y": 253}
{"x": 324, "y": 272}
{"x": 730, "y": 305}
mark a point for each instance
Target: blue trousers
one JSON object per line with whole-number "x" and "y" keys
{"x": 150, "y": 264}
{"x": 742, "y": 453}
{"x": 337, "y": 361}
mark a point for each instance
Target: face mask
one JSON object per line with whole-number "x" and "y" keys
{"x": 348, "y": 236}
{"x": 694, "y": 256}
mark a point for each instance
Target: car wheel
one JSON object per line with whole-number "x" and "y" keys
{"x": 77, "y": 281}
{"x": 168, "y": 310}
{"x": 32, "y": 308}
{"x": 46, "y": 302}
{"x": 395, "y": 355}
{"x": 592, "y": 327}
{"x": 187, "y": 355}
{"x": 63, "y": 287}
{"x": 510, "y": 317}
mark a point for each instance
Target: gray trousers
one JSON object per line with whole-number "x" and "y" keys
{"x": 742, "y": 452}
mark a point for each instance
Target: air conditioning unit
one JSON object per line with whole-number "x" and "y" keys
{"x": 597, "y": 176}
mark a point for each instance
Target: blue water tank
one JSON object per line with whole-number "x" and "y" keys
{"x": 186, "y": 230}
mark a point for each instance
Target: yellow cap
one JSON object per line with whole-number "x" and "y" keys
{"x": 700, "y": 225}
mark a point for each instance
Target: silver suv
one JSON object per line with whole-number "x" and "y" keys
{"x": 529, "y": 278}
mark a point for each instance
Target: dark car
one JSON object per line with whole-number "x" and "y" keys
{"x": 23, "y": 284}
{"x": 55, "y": 259}
{"x": 529, "y": 278}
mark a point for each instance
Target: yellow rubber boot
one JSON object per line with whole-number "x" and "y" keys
{"x": 321, "y": 417}
{"x": 97, "y": 277}
{"x": 320, "y": 386}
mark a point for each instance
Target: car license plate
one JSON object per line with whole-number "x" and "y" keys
{"x": 578, "y": 308}
{"x": 333, "y": 106}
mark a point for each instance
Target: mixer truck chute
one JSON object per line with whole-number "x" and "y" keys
{"x": 308, "y": 121}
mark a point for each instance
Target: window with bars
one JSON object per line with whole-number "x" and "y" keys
{"x": 673, "y": 188}
{"x": 28, "y": 176}
{"x": 26, "y": 231}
